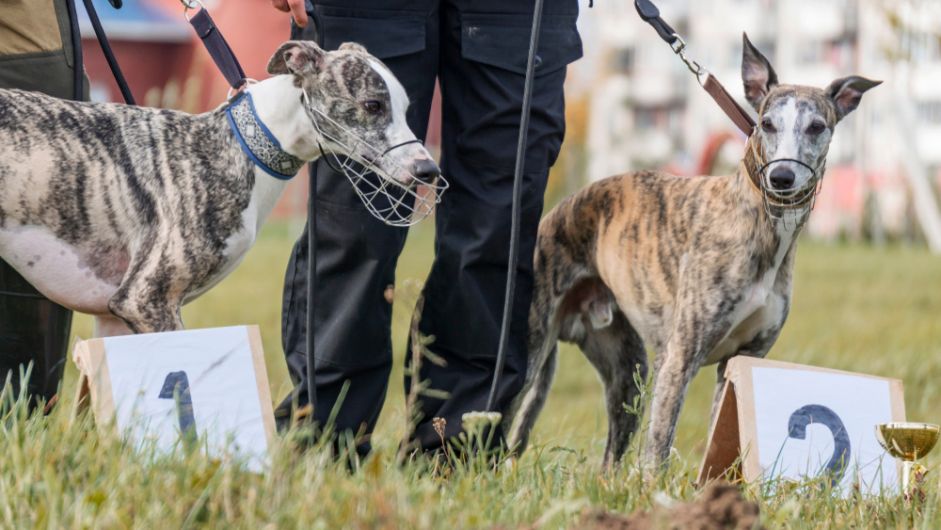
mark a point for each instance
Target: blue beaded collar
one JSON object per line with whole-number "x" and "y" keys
{"x": 258, "y": 142}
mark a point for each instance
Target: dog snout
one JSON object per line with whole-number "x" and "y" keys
{"x": 426, "y": 171}
{"x": 782, "y": 178}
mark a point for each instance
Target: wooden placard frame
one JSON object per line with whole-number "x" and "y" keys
{"x": 731, "y": 449}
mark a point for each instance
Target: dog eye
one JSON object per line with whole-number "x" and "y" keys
{"x": 767, "y": 126}
{"x": 372, "y": 106}
{"x": 816, "y": 128}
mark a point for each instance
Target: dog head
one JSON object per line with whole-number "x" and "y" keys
{"x": 357, "y": 108}
{"x": 795, "y": 123}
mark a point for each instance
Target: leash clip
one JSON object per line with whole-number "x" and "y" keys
{"x": 678, "y": 45}
{"x": 679, "y": 48}
{"x": 189, "y": 5}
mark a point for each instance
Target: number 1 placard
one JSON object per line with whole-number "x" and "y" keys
{"x": 177, "y": 386}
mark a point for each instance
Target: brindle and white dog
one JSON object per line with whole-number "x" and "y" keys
{"x": 697, "y": 269}
{"x": 127, "y": 213}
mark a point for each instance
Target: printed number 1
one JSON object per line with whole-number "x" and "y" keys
{"x": 177, "y": 387}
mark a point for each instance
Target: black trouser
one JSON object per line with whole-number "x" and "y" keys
{"x": 477, "y": 51}
{"x": 34, "y": 329}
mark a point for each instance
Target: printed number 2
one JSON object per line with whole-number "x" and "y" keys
{"x": 177, "y": 387}
{"x": 804, "y": 416}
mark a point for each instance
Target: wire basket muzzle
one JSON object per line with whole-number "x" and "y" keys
{"x": 391, "y": 201}
{"x": 394, "y": 202}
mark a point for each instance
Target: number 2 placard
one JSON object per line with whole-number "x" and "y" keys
{"x": 176, "y": 386}
{"x": 788, "y": 421}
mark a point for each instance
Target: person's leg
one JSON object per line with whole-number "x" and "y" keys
{"x": 36, "y": 48}
{"x": 483, "y": 56}
{"x": 34, "y": 329}
{"x": 356, "y": 254}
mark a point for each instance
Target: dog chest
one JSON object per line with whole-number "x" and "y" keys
{"x": 763, "y": 306}
{"x": 756, "y": 319}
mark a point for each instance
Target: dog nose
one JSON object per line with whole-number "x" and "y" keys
{"x": 426, "y": 171}
{"x": 782, "y": 178}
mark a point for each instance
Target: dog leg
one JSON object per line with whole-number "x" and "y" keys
{"x": 543, "y": 349}
{"x": 669, "y": 391}
{"x": 532, "y": 401}
{"x": 151, "y": 293}
{"x": 557, "y": 271}
{"x": 699, "y": 326}
{"x": 110, "y": 326}
{"x": 617, "y": 353}
{"x": 145, "y": 316}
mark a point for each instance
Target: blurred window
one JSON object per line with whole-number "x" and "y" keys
{"x": 922, "y": 46}
{"x": 645, "y": 118}
{"x": 623, "y": 60}
{"x": 810, "y": 51}
{"x": 674, "y": 118}
{"x": 929, "y": 112}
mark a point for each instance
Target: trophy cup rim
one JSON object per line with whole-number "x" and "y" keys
{"x": 905, "y": 431}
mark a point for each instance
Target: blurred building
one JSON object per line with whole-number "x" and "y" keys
{"x": 884, "y": 168}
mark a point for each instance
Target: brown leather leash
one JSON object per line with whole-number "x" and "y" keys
{"x": 739, "y": 116}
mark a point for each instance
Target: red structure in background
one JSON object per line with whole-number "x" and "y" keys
{"x": 167, "y": 66}
{"x": 710, "y": 151}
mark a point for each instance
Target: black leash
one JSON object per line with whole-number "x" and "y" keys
{"x": 513, "y": 259}
{"x": 78, "y": 68}
{"x": 311, "y": 284}
{"x": 105, "y": 47}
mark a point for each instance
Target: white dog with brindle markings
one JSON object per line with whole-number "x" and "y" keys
{"x": 697, "y": 269}
{"x": 127, "y": 213}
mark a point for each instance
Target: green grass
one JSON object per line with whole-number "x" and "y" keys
{"x": 855, "y": 308}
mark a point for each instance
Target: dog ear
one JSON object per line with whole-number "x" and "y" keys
{"x": 353, "y": 47}
{"x": 296, "y": 57}
{"x": 847, "y": 92}
{"x": 757, "y": 74}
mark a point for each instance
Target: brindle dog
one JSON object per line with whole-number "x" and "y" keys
{"x": 127, "y": 213}
{"x": 697, "y": 269}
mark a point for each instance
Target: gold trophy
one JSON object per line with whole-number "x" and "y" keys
{"x": 908, "y": 441}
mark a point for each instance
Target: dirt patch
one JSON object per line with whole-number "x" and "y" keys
{"x": 720, "y": 506}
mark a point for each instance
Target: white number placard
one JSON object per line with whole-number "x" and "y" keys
{"x": 791, "y": 421}
{"x": 209, "y": 384}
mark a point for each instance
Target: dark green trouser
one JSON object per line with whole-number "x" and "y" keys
{"x": 49, "y": 72}
{"x": 32, "y": 328}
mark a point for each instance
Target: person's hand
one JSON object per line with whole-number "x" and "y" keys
{"x": 296, "y": 7}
